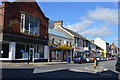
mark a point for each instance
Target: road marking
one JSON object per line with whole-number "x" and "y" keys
{"x": 42, "y": 71}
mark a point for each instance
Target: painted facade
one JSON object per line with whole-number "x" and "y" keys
{"x": 60, "y": 46}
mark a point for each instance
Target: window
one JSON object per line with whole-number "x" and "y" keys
{"x": 75, "y": 40}
{"x": 5, "y": 50}
{"x": 53, "y": 40}
{"x": 59, "y": 42}
{"x": 29, "y": 24}
{"x": 67, "y": 43}
{"x": 41, "y": 51}
{"x": 70, "y": 43}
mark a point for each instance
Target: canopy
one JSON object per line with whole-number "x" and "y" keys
{"x": 62, "y": 47}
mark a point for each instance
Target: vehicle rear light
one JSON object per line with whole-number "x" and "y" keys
{"x": 79, "y": 59}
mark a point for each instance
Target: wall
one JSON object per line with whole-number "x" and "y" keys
{"x": 13, "y": 14}
{"x": 99, "y": 42}
{"x": 57, "y": 39}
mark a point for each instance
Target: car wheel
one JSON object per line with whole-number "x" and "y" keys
{"x": 80, "y": 62}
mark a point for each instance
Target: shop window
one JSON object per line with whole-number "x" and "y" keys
{"x": 30, "y": 24}
{"x": 20, "y": 51}
{"x": 58, "y": 55}
{"x": 53, "y": 53}
{"x": 41, "y": 51}
{"x": 5, "y": 50}
{"x": 25, "y": 54}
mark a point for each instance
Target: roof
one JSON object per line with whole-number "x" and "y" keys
{"x": 113, "y": 45}
{"x": 57, "y": 33}
{"x": 75, "y": 34}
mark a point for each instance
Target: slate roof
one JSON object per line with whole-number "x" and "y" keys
{"x": 57, "y": 33}
{"x": 75, "y": 34}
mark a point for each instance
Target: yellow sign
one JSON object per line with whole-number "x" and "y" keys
{"x": 61, "y": 46}
{"x": 93, "y": 49}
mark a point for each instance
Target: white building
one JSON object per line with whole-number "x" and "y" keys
{"x": 103, "y": 45}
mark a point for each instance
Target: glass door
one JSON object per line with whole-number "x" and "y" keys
{"x": 58, "y": 55}
{"x": 31, "y": 54}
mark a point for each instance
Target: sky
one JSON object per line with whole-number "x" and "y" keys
{"x": 89, "y": 19}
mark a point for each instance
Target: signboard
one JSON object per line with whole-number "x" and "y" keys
{"x": 21, "y": 50}
{"x": 79, "y": 49}
{"x": 86, "y": 48}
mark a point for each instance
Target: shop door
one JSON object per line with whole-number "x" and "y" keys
{"x": 31, "y": 54}
{"x": 58, "y": 57}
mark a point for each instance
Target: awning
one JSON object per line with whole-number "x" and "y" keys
{"x": 61, "y": 47}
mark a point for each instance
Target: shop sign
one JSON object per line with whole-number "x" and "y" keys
{"x": 21, "y": 50}
{"x": 86, "y": 48}
{"x": 79, "y": 49}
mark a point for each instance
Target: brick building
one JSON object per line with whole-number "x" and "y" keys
{"x": 24, "y": 32}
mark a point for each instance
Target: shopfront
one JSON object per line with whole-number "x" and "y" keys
{"x": 17, "y": 48}
{"x": 79, "y": 51}
{"x": 60, "y": 52}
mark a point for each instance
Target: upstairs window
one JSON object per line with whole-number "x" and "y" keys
{"x": 59, "y": 42}
{"x": 70, "y": 43}
{"x": 30, "y": 24}
{"x": 53, "y": 40}
{"x": 67, "y": 43}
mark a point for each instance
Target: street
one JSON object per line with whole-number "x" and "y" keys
{"x": 105, "y": 70}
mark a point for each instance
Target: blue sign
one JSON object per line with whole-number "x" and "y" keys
{"x": 21, "y": 50}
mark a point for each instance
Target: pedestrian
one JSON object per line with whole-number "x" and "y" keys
{"x": 96, "y": 62}
{"x": 95, "y": 65}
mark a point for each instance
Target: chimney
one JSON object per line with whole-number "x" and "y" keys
{"x": 60, "y": 23}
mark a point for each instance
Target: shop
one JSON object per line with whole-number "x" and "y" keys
{"x": 16, "y": 48}
{"x": 60, "y": 52}
{"x": 79, "y": 51}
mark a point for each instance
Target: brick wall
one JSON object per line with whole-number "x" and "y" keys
{"x": 13, "y": 13}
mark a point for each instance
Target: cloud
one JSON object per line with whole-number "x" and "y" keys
{"x": 95, "y": 32}
{"x": 104, "y": 14}
{"x": 96, "y": 23}
{"x": 80, "y": 26}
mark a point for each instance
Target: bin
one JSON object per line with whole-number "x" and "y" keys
{"x": 68, "y": 60}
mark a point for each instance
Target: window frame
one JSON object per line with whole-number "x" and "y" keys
{"x": 34, "y": 20}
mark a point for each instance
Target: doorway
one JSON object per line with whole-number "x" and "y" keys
{"x": 31, "y": 54}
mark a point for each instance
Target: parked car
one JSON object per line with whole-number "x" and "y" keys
{"x": 107, "y": 59}
{"x": 89, "y": 59}
{"x": 103, "y": 59}
{"x": 117, "y": 65}
{"x": 78, "y": 59}
{"x": 110, "y": 58}
{"x": 114, "y": 58}
{"x": 98, "y": 58}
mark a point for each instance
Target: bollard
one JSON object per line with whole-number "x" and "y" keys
{"x": 95, "y": 64}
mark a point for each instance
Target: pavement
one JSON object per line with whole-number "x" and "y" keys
{"x": 7, "y": 64}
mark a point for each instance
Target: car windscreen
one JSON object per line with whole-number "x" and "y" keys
{"x": 77, "y": 56}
